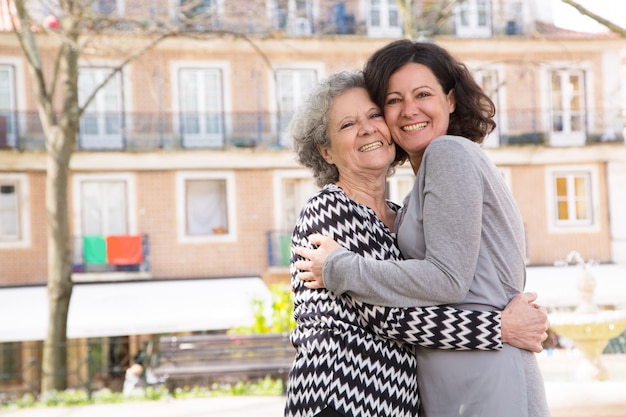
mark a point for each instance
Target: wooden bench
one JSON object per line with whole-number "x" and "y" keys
{"x": 203, "y": 359}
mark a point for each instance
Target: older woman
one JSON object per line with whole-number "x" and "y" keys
{"x": 353, "y": 358}
{"x": 459, "y": 225}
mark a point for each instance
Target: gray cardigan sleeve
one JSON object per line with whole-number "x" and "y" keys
{"x": 451, "y": 188}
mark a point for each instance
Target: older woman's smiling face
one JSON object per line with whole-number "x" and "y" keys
{"x": 360, "y": 141}
{"x": 416, "y": 108}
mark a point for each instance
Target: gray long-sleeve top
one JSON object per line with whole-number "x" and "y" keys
{"x": 464, "y": 212}
{"x": 464, "y": 232}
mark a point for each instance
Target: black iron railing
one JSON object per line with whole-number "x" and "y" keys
{"x": 278, "y": 247}
{"x": 146, "y": 132}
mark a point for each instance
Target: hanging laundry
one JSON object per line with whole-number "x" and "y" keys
{"x": 95, "y": 250}
{"x": 124, "y": 249}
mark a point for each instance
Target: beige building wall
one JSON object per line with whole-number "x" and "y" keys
{"x": 545, "y": 247}
{"x": 150, "y": 89}
{"x": 28, "y": 265}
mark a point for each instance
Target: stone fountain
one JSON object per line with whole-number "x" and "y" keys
{"x": 589, "y": 327}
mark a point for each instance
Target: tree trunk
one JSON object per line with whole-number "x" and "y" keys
{"x": 60, "y": 143}
{"x": 54, "y": 375}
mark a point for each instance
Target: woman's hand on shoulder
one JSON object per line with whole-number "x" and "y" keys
{"x": 311, "y": 267}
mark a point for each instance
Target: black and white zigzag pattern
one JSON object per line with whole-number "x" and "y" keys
{"x": 352, "y": 356}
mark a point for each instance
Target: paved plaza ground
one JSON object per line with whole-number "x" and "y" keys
{"x": 605, "y": 399}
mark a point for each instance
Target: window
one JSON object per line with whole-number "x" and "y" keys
{"x": 572, "y": 198}
{"x": 205, "y": 206}
{"x": 567, "y": 98}
{"x": 14, "y": 211}
{"x": 108, "y": 7}
{"x": 101, "y": 124}
{"x": 192, "y": 8}
{"x": 201, "y": 107}
{"x": 514, "y": 16}
{"x": 572, "y": 201}
{"x": 293, "y": 87}
{"x": 293, "y": 188}
{"x": 383, "y": 19}
{"x": 489, "y": 80}
{"x": 104, "y": 207}
{"x": 203, "y": 14}
{"x": 567, "y": 119}
{"x": 400, "y": 184}
{"x": 104, "y": 214}
{"x": 9, "y": 212}
{"x": 10, "y": 362}
{"x": 473, "y": 19}
{"x": 296, "y": 187}
{"x": 103, "y": 204}
{"x": 296, "y": 17}
{"x": 8, "y": 113}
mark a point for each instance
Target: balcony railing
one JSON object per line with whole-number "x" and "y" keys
{"x": 146, "y": 132}
{"x": 151, "y": 131}
{"x": 113, "y": 253}
{"x": 278, "y": 248}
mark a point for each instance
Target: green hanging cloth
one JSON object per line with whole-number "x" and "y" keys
{"x": 95, "y": 250}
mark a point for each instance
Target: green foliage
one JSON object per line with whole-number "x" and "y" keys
{"x": 282, "y": 319}
{"x": 267, "y": 386}
{"x": 67, "y": 397}
{"x": 107, "y": 396}
{"x": 25, "y": 401}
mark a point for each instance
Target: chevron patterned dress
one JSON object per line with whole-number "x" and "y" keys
{"x": 357, "y": 358}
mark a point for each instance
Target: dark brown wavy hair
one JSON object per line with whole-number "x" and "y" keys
{"x": 474, "y": 111}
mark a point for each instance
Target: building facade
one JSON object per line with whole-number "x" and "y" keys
{"x": 182, "y": 169}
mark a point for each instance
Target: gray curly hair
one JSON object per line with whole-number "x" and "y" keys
{"x": 308, "y": 126}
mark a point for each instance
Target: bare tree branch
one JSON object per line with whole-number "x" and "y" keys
{"x": 118, "y": 69}
{"x": 586, "y": 12}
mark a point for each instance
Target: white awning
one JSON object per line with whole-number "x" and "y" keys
{"x": 128, "y": 308}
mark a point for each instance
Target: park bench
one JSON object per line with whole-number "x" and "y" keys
{"x": 204, "y": 359}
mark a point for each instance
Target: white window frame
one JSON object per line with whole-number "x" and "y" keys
{"x": 23, "y": 195}
{"x": 566, "y": 137}
{"x": 499, "y": 98}
{"x": 385, "y": 29}
{"x": 556, "y": 226}
{"x": 279, "y": 203}
{"x": 224, "y": 67}
{"x": 18, "y": 98}
{"x": 126, "y": 103}
{"x": 231, "y": 212}
{"x": 297, "y": 22}
{"x": 102, "y": 139}
{"x": 279, "y": 123}
{"x": 131, "y": 209}
{"x": 400, "y": 184}
{"x": 473, "y": 29}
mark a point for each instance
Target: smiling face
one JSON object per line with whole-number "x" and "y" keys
{"x": 416, "y": 108}
{"x": 360, "y": 143}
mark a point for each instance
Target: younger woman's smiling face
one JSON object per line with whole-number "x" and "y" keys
{"x": 416, "y": 108}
